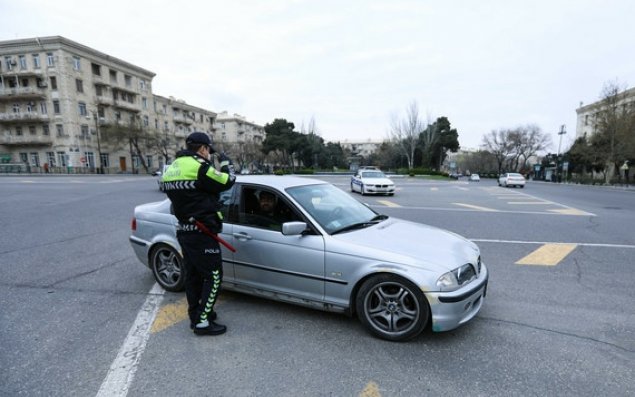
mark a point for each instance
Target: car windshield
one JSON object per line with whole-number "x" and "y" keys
{"x": 334, "y": 209}
{"x": 373, "y": 174}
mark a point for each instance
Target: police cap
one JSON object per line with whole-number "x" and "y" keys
{"x": 198, "y": 137}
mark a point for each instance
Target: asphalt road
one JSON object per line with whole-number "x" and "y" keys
{"x": 559, "y": 317}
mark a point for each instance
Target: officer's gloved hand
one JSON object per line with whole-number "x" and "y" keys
{"x": 226, "y": 164}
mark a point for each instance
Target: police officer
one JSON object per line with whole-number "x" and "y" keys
{"x": 193, "y": 186}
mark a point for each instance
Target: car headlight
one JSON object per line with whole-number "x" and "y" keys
{"x": 455, "y": 279}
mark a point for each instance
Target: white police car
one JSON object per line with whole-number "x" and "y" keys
{"x": 369, "y": 181}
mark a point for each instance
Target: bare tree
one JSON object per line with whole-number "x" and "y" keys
{"x": 498, "y": 143}
{"x": 405, "y": 133}
{"x": 532, "y": 141}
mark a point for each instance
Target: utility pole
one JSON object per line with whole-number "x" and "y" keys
{"x": 563, "y": 130}
{"x": 101, "y": 161}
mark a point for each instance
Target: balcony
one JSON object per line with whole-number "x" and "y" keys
{"x": 126, "y": 105}
{"x": 26, "y": 140}
{"x": 183, "y": 119}
{"x": 22, "y": 72}
{"x": 16, "y": 118}
{"x": 21, "y": 93}
{"x": 104, "y": 100}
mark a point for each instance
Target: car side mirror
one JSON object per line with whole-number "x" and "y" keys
{"x": 293, "y": 228}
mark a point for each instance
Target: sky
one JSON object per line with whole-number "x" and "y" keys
{"x": 352, "y": 66}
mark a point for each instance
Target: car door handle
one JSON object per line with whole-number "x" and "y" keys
{"x": 242, "y": 236}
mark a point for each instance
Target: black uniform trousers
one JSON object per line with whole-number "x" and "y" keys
{"x": 203, "y": 273}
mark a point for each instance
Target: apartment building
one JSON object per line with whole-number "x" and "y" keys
{"x": 65, "y": 107}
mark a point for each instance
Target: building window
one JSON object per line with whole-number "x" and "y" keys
{"x": 79, "y": 84}
{"x": 135, "y": 160}
{"x": 46, "y": 130}
{"x": 25, "y": 82}
{"x": 105, "y": 160}
{"x": 113, "y": 76}
{"x": 142, "y": 84}
{"x": 18, "y": 131}
{"x": 56, "y": 107}
{"x": 165, "y": 109}
{"x": 118, "y": 115}
{"x": 32, "y": 129}
{"x": 146, "y": 121}
{"x": 16, "y": 108}
{"x": 82, "y": 109}
{"x": 29, "y": 107}
{"x": 53, "y": 83}
{"x": 144, "y": 102}
{"x": 60, "y": 130}
{"x": 101, "y": 112}
{"x": 50, "y": 157}
{"x": 156, "y": 123}
{"x": 98, "y": 90}
{"x": 84, "y": 131}
{"x": 61, "y": 158}
{"x": 77, "y": 63}
{"x": 96, "y": 69}
{"x": 35, "y": 159}
{"x": 128, "y": 80}
{"x": 165, "y": 125}
{"x": 149, "y": 161}
{"x": 9, "y": 62}
{"x": 36, "y": 61}
{"x": 50, "y": 59}
{"x": 22, "y": 60}
{"x": 90, "y": 159}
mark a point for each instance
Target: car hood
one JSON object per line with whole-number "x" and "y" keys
{"x": 378, "y": 181}
{"x": 400, "y": 241}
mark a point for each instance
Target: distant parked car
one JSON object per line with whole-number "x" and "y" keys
{"x": 475, "y": 178}
{"x": 511, "y": 179}
{"x": 372, "y": 182}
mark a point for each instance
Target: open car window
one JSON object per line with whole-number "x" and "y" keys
{"x": 264, "y": 208}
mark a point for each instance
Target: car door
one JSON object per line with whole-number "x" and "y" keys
{"x": 265, "y": 259}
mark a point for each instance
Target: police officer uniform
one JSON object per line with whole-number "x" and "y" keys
{"x": 193, "y": 185}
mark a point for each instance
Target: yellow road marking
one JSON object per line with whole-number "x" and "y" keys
{"x": 548, "y": 255}
{"x": 475, "y": 207}
{"x": 388, "y": 203}
{"x": 371, "y": 390}
{"x": 169, "y": 315}
{"x": 571, "y": 211}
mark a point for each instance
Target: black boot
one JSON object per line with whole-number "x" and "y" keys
{"x": 211, "y": 329}
{"x": 212, "y": 316}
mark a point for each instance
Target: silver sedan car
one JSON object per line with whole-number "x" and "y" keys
{"x": 328, "y": 251}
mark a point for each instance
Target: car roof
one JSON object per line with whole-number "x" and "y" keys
{"x": 280, "y": 182}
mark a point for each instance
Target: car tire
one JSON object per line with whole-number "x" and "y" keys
{"x": 522, "y": 186}
{"x": 392, "y": 307}
{"x": 167, "y": 266}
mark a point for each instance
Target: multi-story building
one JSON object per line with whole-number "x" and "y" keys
{"x": 65, "y": 107}
{"x": 241, "y": 138}
{"x": 587, "y": 115}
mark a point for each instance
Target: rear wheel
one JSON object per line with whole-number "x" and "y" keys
{"x": 167, "y": 267}
{"x": 392, "y": 308}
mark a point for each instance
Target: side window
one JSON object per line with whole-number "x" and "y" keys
{"x": 264, "y": 208}
{"x": 225, "y": 199}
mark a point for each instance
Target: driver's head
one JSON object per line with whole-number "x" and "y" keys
{"x": 267, "y": 201}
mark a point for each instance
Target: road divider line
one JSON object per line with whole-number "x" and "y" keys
{"x": 572, "y": 211}
{"x": 548, "y": 255}
{"x": 124, "y": 367}
{"x": 530, "y": 202}
{"x": 388, "y": 203}
{"x": 476, "y": 207}
{"x": 434, "y": 189}
{"x": 601, "y": 245}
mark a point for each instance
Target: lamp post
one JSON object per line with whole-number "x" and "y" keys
{"x": 101, "y": 163}
{"x": 563, "y": 130}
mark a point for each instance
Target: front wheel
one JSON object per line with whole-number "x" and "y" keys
{"x": 167, "y": 267}
{"x": 392, "y": 308}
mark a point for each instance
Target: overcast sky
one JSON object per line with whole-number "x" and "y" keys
{"x": 351, "y": 65}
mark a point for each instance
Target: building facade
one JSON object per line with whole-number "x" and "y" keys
{"x": 587, "y": 115}
{"x": 65, "y": 107}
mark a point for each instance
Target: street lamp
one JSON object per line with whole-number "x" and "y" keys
{"x": 563, "y": 130}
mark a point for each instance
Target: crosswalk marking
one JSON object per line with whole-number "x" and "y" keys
{"x": 548, "y": 255}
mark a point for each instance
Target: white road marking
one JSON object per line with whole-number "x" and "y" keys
{"x": 122, "y": 370}
{"x": 483, "y": 240}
